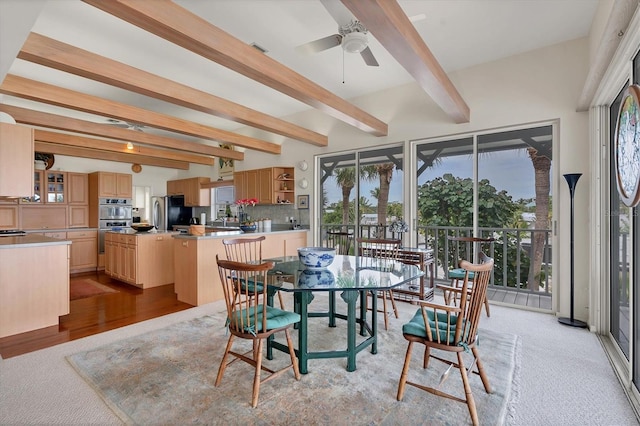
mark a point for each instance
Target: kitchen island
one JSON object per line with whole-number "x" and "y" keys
{"x": 142, "y": 259}
{"x": 34, "y": 282}
{"x": 196, "y": 272}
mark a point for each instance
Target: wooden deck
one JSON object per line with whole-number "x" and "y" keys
{"x": 530, "y": 300}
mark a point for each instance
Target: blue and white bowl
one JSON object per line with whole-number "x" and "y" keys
{"x": 310, "y": 278}
{"x": 316, "y": 257}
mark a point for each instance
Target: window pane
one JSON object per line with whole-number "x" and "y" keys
{"x": 514, "y": 204}
{"x": 620, "y": 248}
{"x": 381, "y": 190}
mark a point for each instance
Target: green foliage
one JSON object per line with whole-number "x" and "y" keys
{"x": 448, "y": 201}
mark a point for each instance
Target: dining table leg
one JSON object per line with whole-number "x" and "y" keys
{"x": 350, "y": 297}
{"x": 332, "y": 309}
{"x": 304, "y": 298}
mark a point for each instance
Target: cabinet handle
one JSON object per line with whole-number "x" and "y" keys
{"x": 185, "y": 244}
{"x": 159, "y": 238}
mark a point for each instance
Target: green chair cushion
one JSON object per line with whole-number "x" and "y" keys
{"x": 276, "y": 318}
{"x": 458, "y": 274}
{"x": 416, "y": 326}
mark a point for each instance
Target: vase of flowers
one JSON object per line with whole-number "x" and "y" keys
{"x": 243, "y": 218}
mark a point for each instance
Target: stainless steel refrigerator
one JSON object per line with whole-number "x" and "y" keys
{"x": 169, "y": 211}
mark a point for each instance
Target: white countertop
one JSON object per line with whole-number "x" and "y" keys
{"x": 240, "y": 234}
{"x": 30, "y": 240}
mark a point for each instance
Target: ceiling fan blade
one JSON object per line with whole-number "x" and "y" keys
{"x": 338, "y": 11}
{"x": 319, "y": 45}
{"x": 368, "y": 57}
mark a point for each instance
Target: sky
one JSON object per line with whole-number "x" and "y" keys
{"x": 511, "y": 171}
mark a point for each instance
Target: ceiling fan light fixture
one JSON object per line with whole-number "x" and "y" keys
{"x": 354, "y": 42}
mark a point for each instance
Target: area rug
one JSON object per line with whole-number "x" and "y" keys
{"x": 167, "y": 376}
{"x": 79, "y": 289}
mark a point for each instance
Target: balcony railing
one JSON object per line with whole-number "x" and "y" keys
{"x": 511, "y": 250}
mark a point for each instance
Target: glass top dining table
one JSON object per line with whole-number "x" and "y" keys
{"x": 353, "y": 276}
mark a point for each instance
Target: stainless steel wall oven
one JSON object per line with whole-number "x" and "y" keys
{"x": 113, "y": 213}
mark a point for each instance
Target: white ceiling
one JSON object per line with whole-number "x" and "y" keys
{"x": 460, "y": 33}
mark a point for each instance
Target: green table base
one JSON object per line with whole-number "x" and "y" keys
{"x": 301, "y": 304}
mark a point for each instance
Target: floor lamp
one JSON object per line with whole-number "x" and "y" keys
{"x": 572, "y": 180}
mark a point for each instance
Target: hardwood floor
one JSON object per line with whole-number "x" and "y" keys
{"x": 93, "y": 315}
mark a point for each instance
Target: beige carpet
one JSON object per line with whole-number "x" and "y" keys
{"x": 167, "y": 376}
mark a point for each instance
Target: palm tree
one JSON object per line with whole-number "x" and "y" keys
{"x": 385, "y": 173}
{"x": 346, "y": 179}
{"x": 541, "y": 166}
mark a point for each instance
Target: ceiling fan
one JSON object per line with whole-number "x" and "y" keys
{"x": 125, "y": 124}
{"x": 352, "y": 35}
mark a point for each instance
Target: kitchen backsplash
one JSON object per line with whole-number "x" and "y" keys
{"x": 277, "y": 213}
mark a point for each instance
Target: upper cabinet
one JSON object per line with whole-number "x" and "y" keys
{"x": 78, "y": 188}
{"x": 55, "y": 187}
{"x": 272, "y": 185}
{"x": 111, "y": 185}
{"x": 16, "y": 160}
{"x": 195, "y": 195}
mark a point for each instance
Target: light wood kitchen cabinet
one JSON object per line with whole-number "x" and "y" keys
{"x": 55, "y": 187}
{"x": 143, "y": 260}
{"x": 124, "y": 185}
{"x": 78, "y": 188}
{"x": 174, "y": 187}
{"x": 111, "y": 185}
{"x": 78, "y": 216}
{"x": 38, "y": 189}
{"x": 240, "y": 185}
{"x": 272, "y": 185}
{"x": 16, "y": 160}
{"x": 9, "y": 218}
{"x": 265, "y": 192}
{"x": 84, "y": 251}
{"x": 43, "y": 216}
{"x": 195, "y": 195}
{"x": 33, "y": 297}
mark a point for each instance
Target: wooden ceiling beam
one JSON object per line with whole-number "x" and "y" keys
{"x": 177, "y": 25}
{"x": 392, "y": 28}
{"x": 64, "y": 57}
{"x": 102, "y": 145}
{"x": 72, "y": 151}
{"x": 58, "y": 122}
{"x": 42, "y": 92}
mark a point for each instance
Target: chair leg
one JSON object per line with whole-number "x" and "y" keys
{"x": 256, "y": 377}
{"x": 471, "y": 404}
{"x": 281, "y": 300}
{"x": 384, "y": 308}
{"x": 483, "y": 374}
{"x": 393, "y": 303}
{"x": 405, "y": 372}
{"x": 223, "y": 363}
{"x": 292, "y": 354}
{"x": 427, "y": 357}
{"x": 486, "y": 305}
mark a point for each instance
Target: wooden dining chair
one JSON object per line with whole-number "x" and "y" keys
{"x": 383, "y": 251}
{"x": 465, "y": 248}
{"x": 256, "y": 322}
{"x": 246, "y": 250}
{"x": 451, "y": 329}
